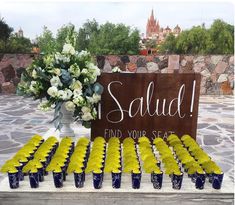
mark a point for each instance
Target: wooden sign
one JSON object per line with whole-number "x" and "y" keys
{"x": 147, "y": 104}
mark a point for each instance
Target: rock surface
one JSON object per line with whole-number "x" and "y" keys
{"x": 213, "y": 68}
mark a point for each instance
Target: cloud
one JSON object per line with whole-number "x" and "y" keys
{"x": 32, "y": 16}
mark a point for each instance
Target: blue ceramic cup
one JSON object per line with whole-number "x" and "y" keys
{"x": 116, "y": 180}
{"x": 157, "y": 180}
{"x": 97, "y": 180}
{"x": 20, "y": 173}
{"x": 78, "y": 180}
{"x": 41, "y": 174}
{"x": 84, "y": 176}
{"x": 64, "y": 168}
{"x": 34, "y": 180}
{"x": 200, "y": 181}
{"x": 58, "y": 179}
{"x": 210, "y": 177}
{"x": 136, "y": 180}
{"x": 13, "y": 180}
{"x": 177, "y": 181}
{"x": 44, "y": 164}
{"x": 217, "y": 180}
{"x": 193, "y": 177}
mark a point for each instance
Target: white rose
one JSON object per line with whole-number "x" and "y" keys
{"x": 77, "y": 92}
{"x": 76, "y": 84}
{"x": 69, "y": 105}
{"x": 86, "y": 109}
{"x": 65, "y": 59}
{"x": 69, "y": 93}
{"x": 74, "y": 70}
{"x": 57, "y": 71}
{"x": 87, "y": 116}
{"x": 32, "y": 87}
{"x": 90, "y": 65}
{"x": 90, "y": 99}
{"x": 93, "y": 68}
{"x": 96, "y": 98}
{"x": 86, "y": 80}
{"x": 52, "y": 91}
{"x": 55, "y": 81}
{"x": 34, "y": 74}
{"x": 59, "y": 57}
{"x": 83, "y": 54}
{"x": 78, "y": 100}
{"x": 68, "y": 49}
{"x": 97, "y": 71}
{"x": 84, "y": 71}
{"x": 62, "y": 95}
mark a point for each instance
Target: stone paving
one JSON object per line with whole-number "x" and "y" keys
{"x": 20, "y": 119}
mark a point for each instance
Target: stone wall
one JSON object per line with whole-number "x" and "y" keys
{"x": 11, "y": 67}
{"x": 217, "y": 71}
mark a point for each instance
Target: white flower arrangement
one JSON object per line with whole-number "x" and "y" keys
{"x": 64, "y": 77}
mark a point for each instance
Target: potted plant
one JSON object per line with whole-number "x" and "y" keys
{"x": 66, "y": 82}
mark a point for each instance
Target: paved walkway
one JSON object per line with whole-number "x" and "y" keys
{"x": 20, "y": 119}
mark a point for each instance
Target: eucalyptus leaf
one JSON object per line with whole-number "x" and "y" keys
{"x": 98, "y": 88}
{"x": 42, "y": 74}
{"x": 88, "y": 91}
{"x": 65, "y": 77}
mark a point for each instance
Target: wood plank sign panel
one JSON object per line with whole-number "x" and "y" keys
{"x": 147, "y": 104}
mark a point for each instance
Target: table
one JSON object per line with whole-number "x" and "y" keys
{"x": 69, "y": 194}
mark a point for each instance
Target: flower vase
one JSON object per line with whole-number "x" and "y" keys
{"x": 67, "y": 119}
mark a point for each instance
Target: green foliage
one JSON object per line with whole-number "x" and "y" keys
{"x": 169, "y": 45}
{"x": 11, "y": 43}
{"x": 219, "y": 39}
{"x": 222, "y": 36}
{"x": 195, "y": 41}
{"x": 85, "y": 33}
{"x": 98, "y": 39}
{"x": 62, "y": 34}
{"x": 5, "y": 32}
{"x": 46, "y": 41}
{"x": 114, "y": 39}
{"x": 19, "y": 45}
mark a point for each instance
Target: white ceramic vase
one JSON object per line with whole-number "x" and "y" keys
{"x": 67, "y": 119}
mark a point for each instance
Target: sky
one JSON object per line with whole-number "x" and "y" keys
{"x": 31, "y": 16}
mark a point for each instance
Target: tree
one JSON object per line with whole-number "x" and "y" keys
{"x": 105, "y": 39}
{"x": 86, "y": 32}
{"x": 222, "y": 36}
{"x": 62, "y": 34}
{"x": 19, "y": 44}
{"x": 46, "y": 41}
{"x": 219, "y": 39}
{"x": 169, "y": 46}
{"x": 195, "y": 41}
{"x": 5, "y": 32}
{"x": 114, "y": 39}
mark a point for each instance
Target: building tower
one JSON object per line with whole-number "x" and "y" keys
{"x": 153, "y": 27}
{"x": 20, "y": 33}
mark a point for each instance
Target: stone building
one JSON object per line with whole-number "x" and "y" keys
{"x": 20, "y": 33}
{"x": 154, "y": 31}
